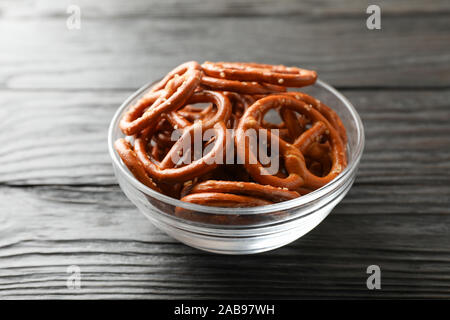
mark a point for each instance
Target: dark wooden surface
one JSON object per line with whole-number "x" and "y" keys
{"x": 59, "y": 201}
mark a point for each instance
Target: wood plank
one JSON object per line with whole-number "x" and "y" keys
{"x": 124, "y": 53}
{"x": 121, "y": 255}
{"x": 196, "y": 8}
{"x": 63, "y": 137}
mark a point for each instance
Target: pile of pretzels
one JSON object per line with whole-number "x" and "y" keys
{"x": 232, "y": 95}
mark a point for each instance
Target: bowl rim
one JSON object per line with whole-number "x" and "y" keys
{"x": 280, "y": 206}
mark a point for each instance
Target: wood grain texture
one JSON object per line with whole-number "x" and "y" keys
{"x": 63, "y": 137}
{"x": 121, "y": 255}
{"x": 59, "y": 201}
{"x": 220, "y": 8}
{"x": 58, "y": 209}
{"x": 124, "y": 53}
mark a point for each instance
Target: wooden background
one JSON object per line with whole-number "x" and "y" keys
{"x": 60, "y": 203}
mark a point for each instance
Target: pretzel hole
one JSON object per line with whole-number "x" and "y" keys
{"x": 272, "y": 119}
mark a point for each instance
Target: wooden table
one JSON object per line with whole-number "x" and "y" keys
{"x": 60, "y": 204}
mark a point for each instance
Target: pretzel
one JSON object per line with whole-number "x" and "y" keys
{"x": 216, "y": 199}
{"x": 168, "y": 95}
{"x": 294, "y": 160}
{"x": 240, "y": 102}
{"x": 326, "y": 111}
{"x": 129, "y": 158}
{"x": 280, "y": 75}
{"x": 219, "y": 100}
{"x": 231, "y": 194}
{"x": 183, "y": 118}
{"x": 192, "y": 114}
{"x": 165, "y": 171}
{"x": 311, "y": 137}
{"x": 246, "y": 188}
{"x": 291, "y": 155}
{"x": 181, "y": 69}
{"x": 240, "y": 86}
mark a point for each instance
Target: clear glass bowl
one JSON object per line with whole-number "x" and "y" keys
{"x": 244, "y": 230}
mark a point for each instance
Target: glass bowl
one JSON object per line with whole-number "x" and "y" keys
{"x": 244, "y": 230}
